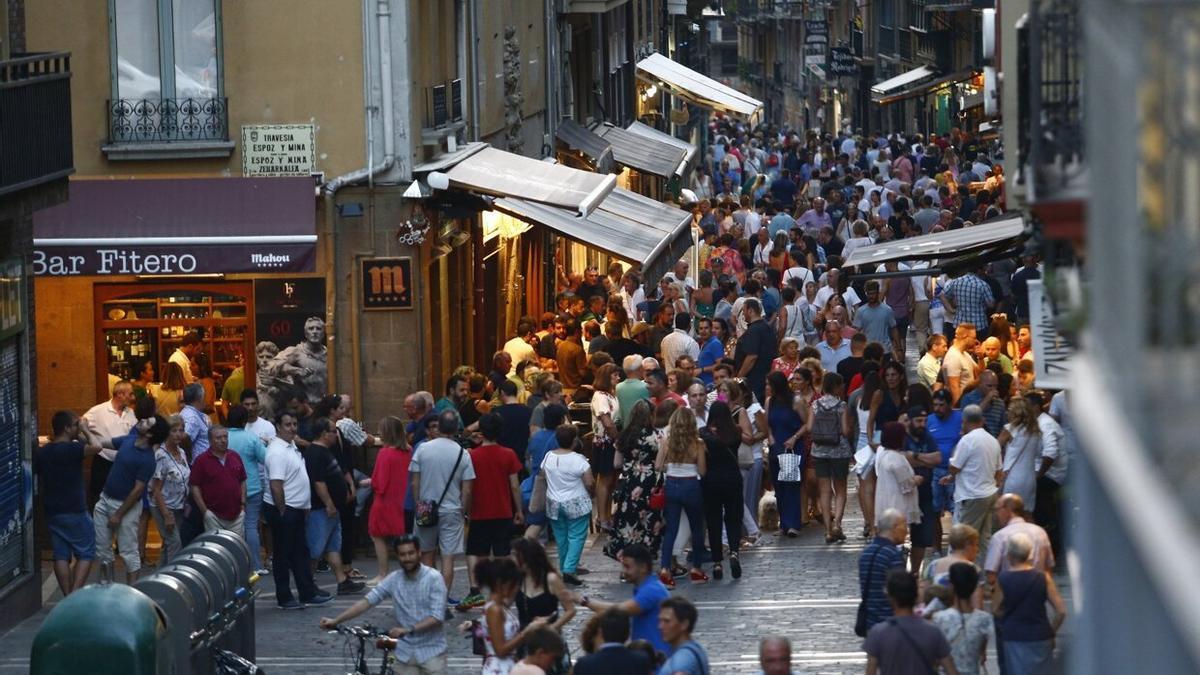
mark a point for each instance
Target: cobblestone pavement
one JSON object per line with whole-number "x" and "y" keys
{"x": 800, "y": 588}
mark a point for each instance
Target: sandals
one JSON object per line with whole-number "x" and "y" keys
{"x": 353, "y": 573}
{"x": 678, "y": 571}
{"x": 838, "y": 534}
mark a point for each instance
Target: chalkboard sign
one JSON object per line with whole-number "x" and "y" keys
{"x": 440, "y": 113}
{"x": 842, "y": 62}
{"x": 13, "y": 519}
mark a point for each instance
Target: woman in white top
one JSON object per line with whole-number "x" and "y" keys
{"x": 859, "y": 229}
{"x": 169, "y": 487}
{"x": 568, "y": 479}
{"x": 1021, "y": 443}
{"x": 682, "y": 459}
{"x": 501, "y": 626}
{"x": 895, "y": 482}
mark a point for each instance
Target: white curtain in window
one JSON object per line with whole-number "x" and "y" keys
{"x": 137, "y": 49}
{"x": 195, "y": 37}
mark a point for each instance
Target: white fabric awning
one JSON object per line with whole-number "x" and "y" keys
{"x": 695, "y": 87}
{"x": 625, "y": 224}
{"x": 652, "y": 133}
{"x": 505, "y": 174}
{"x": 948, "y": 244}
{"x": 890, "y": 84}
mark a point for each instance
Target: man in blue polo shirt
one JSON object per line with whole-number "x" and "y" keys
{"x": 648, "y": 595}
{"x": 120, "y": 505}
{"x": 945, "y": 426}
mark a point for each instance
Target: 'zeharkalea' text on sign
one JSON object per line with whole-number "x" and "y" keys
{"x": 278, "y": 149}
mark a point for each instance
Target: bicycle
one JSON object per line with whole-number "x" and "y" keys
{"x": 362, "y": 634}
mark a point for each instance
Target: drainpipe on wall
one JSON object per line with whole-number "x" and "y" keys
{"x": 330, "y": 189}
{"x": 473, "y": 45}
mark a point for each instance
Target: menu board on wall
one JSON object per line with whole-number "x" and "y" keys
{"x": 13, "y": 519}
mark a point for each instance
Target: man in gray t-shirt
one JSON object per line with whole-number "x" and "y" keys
{"x": 433, "y": 471}
{"x": 877, "y": 321}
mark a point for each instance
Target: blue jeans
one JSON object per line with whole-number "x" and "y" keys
{"x": 1025, "y": 658}
{"x": 254, "y": 504}
{"x": 571, "y": 535}
{"x": 684, "y": 495}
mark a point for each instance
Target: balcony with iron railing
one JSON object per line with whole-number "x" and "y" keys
{"x": 35, "y": 120}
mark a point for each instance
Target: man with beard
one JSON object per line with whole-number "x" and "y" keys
{"x": 923, "y": 455}
{"x": 418, "y": 596}
{"x": 457, "y": 393}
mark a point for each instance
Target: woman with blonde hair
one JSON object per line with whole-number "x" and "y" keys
{"x": 389, "y": 484}
{"x": 1021, "y": 445}
{"x": 683, "y": 463}
{"x": 168, "y": 399}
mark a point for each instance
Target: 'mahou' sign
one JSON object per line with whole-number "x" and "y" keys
{"x": 278, "y": 149}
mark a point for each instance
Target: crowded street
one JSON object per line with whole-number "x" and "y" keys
{"x": 649, "y": 337}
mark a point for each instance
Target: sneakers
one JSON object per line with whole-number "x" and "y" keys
{"x": 323, "y": 566}
{"x": 350, "y": 587}
{"x": 580, "y": 570}
{"x": 571, "y": 579}
{"x": 471, "y": 602}
{"x": 291, "y": 604}
{"x": 451, "y": 602}
{"x": 319, "y": 599}
{"x": 735, "y": 566}
{"x": 262, "y": 572}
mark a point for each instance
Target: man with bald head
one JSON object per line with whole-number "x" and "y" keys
{"x": 975, "y": 474}
{"x": 986, "y": 395}
{"x": 1009, "y": 515}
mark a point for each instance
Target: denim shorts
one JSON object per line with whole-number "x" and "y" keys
{"x": 943, "y": 495}
{"x": 323, "y": 533}
{"x": 72, "y": 535}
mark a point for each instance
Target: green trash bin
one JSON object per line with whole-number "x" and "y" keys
{"x": 102, "y": 629}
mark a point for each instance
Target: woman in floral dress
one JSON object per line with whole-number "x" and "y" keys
{"x": 635, "y": 522}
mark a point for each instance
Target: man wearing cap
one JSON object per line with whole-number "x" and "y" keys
{"x": 922, "y": 452}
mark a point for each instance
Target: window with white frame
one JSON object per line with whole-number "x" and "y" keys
{"x": 918, "y": 18}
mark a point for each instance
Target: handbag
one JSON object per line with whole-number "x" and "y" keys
{"x": 427, "y": 509}
{"x": 658, "y": 498}
{"x": 860, "y": 620}
{"x": 789, "y": 467}
{"x": 537, "y": 498}
{"x": 864, "y": 460}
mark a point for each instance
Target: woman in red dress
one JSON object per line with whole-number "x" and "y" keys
{"x": 389, "y": 483}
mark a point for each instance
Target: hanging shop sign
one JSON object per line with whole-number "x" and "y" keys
{"x": 842, "y": 62}
{"x": 816, "y": 42}
{"x": 386, "y": 283}
{"x": 278, "y": 149}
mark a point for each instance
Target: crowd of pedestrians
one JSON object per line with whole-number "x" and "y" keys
{"x": 674, "y": 420}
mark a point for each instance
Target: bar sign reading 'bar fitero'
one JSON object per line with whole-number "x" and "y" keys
{"x": 387, "y": 283}
{"x": 278, "y": 149}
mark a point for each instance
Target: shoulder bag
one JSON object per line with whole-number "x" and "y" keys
{"x": 913, "y": 643}
{"x": 860, "y": 621}
{"x": 427, "y": 509}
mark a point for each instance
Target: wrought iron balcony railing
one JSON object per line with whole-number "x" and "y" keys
{"x": 35, "y": 120}
{"x": 167, "y": 120}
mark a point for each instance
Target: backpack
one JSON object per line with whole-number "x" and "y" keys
{"x": 827, "y": 423}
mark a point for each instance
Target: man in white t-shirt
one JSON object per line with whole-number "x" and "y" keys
{"x": 110, "y": 421}
{"x": 520, "y": 348}
{"x": 974, "y": 469}
{"x": 850, "y": 296}
{"x": 183, "y": 355}
{"x": 958, "y": 364}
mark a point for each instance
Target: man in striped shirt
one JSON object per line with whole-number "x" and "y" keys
{"x": 879, "y": 557}
{"x": 418, "y": 596}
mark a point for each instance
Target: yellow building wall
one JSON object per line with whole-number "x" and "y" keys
{"x": 66, "y": 330}
{"x": 285, "y": 62}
